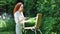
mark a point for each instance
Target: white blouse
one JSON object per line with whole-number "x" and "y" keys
{"x": 19, "y": 17}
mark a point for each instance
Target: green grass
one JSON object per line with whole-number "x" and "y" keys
{"x": 7, "y": 32}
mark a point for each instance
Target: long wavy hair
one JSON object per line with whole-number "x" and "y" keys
{"x": 17, "y": 7}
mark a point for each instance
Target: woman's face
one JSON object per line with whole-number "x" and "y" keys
{"x": 21, "y": 8}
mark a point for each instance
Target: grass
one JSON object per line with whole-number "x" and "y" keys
{"x": 7, "y": 32}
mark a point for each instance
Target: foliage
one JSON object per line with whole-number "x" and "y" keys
{"x": 31, "y": 22}
{"x": 7, "y": 32}
{"x": 6, "y": 23}
{"x": 48, "y": 7}
{"x": 29, "y": 8}
{"x": 7, "y": 5}
{"x": 50, "y": 10}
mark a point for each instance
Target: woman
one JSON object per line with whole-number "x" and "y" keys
{"x": 19, "y": 17}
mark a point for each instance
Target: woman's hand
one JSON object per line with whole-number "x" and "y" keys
{"x": 21, "y": 20}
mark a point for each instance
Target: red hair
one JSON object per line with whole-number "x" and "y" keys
{"x": 17, "y": 7}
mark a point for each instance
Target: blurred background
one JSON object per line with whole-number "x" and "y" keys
{"x": 50, "y": 10}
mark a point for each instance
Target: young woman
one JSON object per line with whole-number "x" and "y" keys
{"x": 19, "y": 17}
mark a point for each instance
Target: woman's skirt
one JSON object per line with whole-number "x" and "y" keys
{"x": 19, "y": 28}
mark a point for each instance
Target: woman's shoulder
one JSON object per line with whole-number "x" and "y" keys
{"x": 16, "y": 13}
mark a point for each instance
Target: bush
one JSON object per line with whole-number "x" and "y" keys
{"x": 7, "y": 23}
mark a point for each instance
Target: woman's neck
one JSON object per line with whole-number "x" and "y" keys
{"x": 20, "y": 11}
